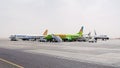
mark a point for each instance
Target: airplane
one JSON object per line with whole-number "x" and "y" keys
{"x": 23, "y": 37}
{"x": 26, "y": 37}
{"x": 65, "y": 37}
{"x": 102, "y": 37}
{"x": 95, "y": 37}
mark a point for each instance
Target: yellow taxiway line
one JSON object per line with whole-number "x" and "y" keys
{"x": 11, "y": 63}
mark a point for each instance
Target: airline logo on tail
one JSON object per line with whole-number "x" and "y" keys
{"x": 81, "y": 31}
{"x": 46, "y": 32}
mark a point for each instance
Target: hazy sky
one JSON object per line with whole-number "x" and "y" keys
{"x": 32, "y": 17}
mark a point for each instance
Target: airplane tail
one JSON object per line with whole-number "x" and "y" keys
{"x": 81, "y": 31}
{"x": 89, "y": 34}
{"x": 95, "y": 32}
{"x": 46, "y": 32}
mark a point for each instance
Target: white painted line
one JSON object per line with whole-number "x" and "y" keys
{"x": 11, "y": 63}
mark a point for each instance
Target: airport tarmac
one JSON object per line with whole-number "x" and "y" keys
{"x": 103, "y": 54}
{"x": 6, "y": 65}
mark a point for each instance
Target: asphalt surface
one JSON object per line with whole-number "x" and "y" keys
{"x": 6, "y": 65}
{"x": 44, "y": 61}
{"x": 60, "y": 55}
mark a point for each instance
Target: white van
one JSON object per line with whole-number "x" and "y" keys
{"x": 92, "y": 40}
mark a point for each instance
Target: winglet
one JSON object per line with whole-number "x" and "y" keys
{"x": 46, "y": 32}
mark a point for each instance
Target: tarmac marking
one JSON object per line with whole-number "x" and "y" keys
{"x": 11, "y": 63}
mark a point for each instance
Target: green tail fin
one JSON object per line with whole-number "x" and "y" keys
{"x": 81, "y": 31}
